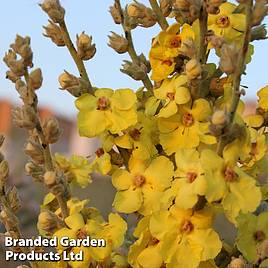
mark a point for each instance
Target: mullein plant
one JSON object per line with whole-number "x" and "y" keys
{"x": 179, "y": 150}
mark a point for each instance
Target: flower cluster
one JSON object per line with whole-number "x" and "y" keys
{"x": 180, "y": 151}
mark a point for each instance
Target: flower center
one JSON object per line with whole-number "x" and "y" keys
{"x": 230, "y": 175}
{"x": 187, "y": 119}
{"x": 99, "y": 152}
{"x": 254, "y": 149}
{"x": 223, "y": 21}
{"x": 139, "y": 180}
{"x": 153, "y": 241}
{"x": 259, "y": 236}
{"x": 175, "y": 42}
{"x": 103, "y": 103}
{"x": 135, "y": 134}
{"x": 171, "y": 95}
{"x": 187, "y": 227}
{"x": 81, "y": 234}
{"x": 167, "y": 62}
{"x": 191, "y": 176}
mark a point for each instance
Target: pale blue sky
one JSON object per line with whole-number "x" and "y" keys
{"x": 26, "y": 18}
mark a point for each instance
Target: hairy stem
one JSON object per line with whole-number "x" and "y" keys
{"x": 79, "y": 63}
{"x": 159, "y": 14}
{"x": 237, "y": 75}
{"x": 11, "y": 224}
{"x": 203, "y": 20}
{"x": 47, "y": 154}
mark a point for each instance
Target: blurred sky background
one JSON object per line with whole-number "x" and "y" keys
{"x": 25, "y": 17}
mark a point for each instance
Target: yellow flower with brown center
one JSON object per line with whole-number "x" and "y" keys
{"x": 226, "y": 23}
{"x": 140, "y": 188}
{"x": 186, "y": 236}
{"x": 187, "y": 128}
{"x": 165, "y": 48}
{"x": 106, "y": 110}
{"x": 228, "y": 184}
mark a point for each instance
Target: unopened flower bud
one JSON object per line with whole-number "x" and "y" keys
{"x": 76, "y": 86}
{"x": 35, "y": 171}
{"x": 262, "y": 250}
{"x": 25, "y": 117}
{"x": 35, "y": 151}
{"x": 260, "y": 10}
{"x": 48, "y": 221}
{"x": 137, "y": 72}
{"x": 118, "y": 43}
{"x": 145, "y": 62}
{"x": 188, "y": 48}
{"x": 136, "y": 10}
{"x": 51, "y": 130}
{"x": 212, "y": 6}
{"x": 228, "y": 58}
{"x": 85, "y": 49}
{"x": 193, "y": 69}
{"x": 166, "y": 7}
{"x": 22, "y": 47}
{"x": 27, "y": 95}
{"x": 35, "y": 79}
{"x": 54, "y": 10}
{"x": 53, "y": 31}
{"x": 219, "y": 118}
{"x": 182, "y": 5}
{"x": 215, "y": 41}
{"x": 259, "y": 33}
{"x": 145, "y": 16}
{"x": 237, "y": 263}
{"x": 11, "y": 76}
{"x": 116, "y": 14}
{"x": 17, "y": 67}
{"x": 14, "y": 200}
{"x": 4, "y": 171}
{"x": 50, "y": 178}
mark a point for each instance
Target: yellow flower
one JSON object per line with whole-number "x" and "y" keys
{"x": 173, "y": 91}
{"x": 106, "y": 110}
{"x": 102, "y": 162}
{"x": 187, "y": 128}
{"x": 113, "y": 232}
{"x": 141, "y": 138}
{"x": 252, "y": 230}
{"x": 189, "y": 180}
{"x": 187, "y": 237}
{"x": 145, "y": 252}
{"x": 263, "y": 98}
{"x": 142, "y": 187}
{"x": 77, "y": 168}
{"x": 227, "y": 183}
{"x": 226, "y": 23}
{"x": 77, "y": 227}
{"x": 165, "y": 48}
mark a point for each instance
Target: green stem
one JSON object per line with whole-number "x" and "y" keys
{"x": 159, "y": 14}
{"x": 202, "y": 49}
{"x": 237, "y": 75}
{"x": 79, "y": 63}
